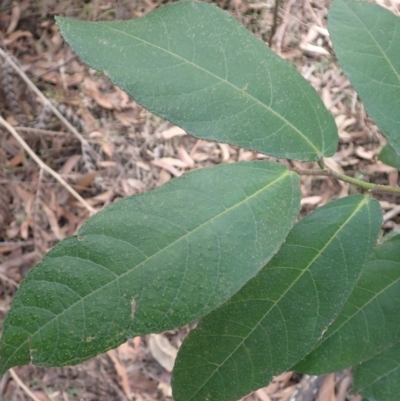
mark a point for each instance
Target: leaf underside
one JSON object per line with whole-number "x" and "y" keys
{"x": 366, "y": 40}
{"x": 151, "y": 262}
{"x": 195, "y": 65}
{"x": 369, "y": 321}
{"x": 277, "y": 317}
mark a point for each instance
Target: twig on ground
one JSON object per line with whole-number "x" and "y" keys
{"x": 391, "y": 213}
{"x": 275, "y": 23}
{"x": 46, "y": 102}
{"x": 21, "y": 384}
{"x": 315, "y": 17}
{"x": 8, "y": 280}
{"x": 58, "y": 66}
{"x": 282, "y": 28}
{"x": 3, "y": 383}
{"x": 40, "y": 131}
{"x": 44, "y": 166}
{"x": 18, "y": 261}
{"x": 16, "y": 244}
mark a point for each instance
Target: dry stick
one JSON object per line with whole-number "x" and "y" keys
{"x": 282, "y": 28}
{"x": 316, "y": 18}
{"x": 56, "y": 67}
{"x": 18, "y": 261}
{"x": 15, "y": 244}
{"x": 275, "y": 23}
{"x": 3, "y": 383}
{"x": 44, "y": 166}
{"x": 391, "y": 213}
{"x": 21, "y": 384}
{"x": 46, "y": 102}
{"x": 40, "y": 131}
{"x": 342, "y": 177}
{"x": 8, "y": 280}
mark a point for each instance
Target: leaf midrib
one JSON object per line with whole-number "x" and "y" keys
{"x": 274, "y": 304}
{"x": 242, "y": 92}
{"x": 187, "y": 234}
{"x": 359, "y": 310}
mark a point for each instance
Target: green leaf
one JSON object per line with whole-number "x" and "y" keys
{"x": 389, "y": 156}
{"x": 379, "y": 378}
{"x": 151, "y": 262}
{"x": 369, "y": 321}
{"x": 195, "y": 65}
{"x": 276, "y": 318}
{"x": 366, "y": 40}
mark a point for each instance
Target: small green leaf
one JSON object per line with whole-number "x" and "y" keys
{"x": 379, "y": 378}
{"x": 369, "y": 321}
{"x": 195, "y": 65}
{"x": 277, "y": 317}
{"x": 151, "y": 262}
{"x": 390, "y": 157}
{"x": 366, "y": 40}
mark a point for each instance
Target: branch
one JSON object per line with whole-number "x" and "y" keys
{"x": 21, "y": 384}
{"x": 46, "y": 102}
{"x": 44, "y": 166}
{"x": 343, "y": 177}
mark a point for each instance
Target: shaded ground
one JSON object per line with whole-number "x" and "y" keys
{"x": 119, "y": 149}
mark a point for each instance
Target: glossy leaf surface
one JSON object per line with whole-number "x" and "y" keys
{"x": 195, "y": 65}
{"x": 151, "y": 262}
{"x": 277, "y": 317}
{"x": 366, "y": 40}
{"x": 369, "y": 321}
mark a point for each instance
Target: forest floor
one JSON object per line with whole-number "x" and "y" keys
{"x": 115, "y": 148}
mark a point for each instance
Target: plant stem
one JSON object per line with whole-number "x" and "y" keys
{"x": 343, "y": 177}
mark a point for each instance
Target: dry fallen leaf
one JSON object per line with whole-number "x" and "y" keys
{"x": 184, "y": 156}
{"x": 172, "y": 132}
{"x": 225, "y": 154}
{"x": 53, "y": 221}
{"x": 85, "y": 180}
{"x": 162, "y": 351}
{"x": 163, "y": 177}
{"x": 15, "y": 15}
{"x": 262, "y": 395}
{"x": 364, "y": 154}
{"x": 167, "y": 166}
{"x": 311, "y": 200}
{"x": 121, "y": 371}
{"x": 327, "y": 390}
{"x": 115, "y": 100}
{"x": 17, "y": 35}
{"x": 70, "y": 164}
{"x": 313, "y": 49}
{"x": 127, "y": 118}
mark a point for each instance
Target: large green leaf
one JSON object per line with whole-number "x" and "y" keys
{"x": 276, "y": 318}
{"x": 151, "y": 262}
{"x": 379, "y": 378}
{"x": 366, "y": 40}
{"x": 195, "y": 65}
{"x": 369, "y": 321}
